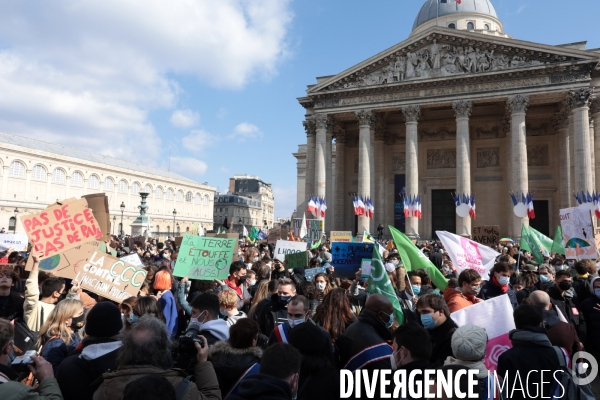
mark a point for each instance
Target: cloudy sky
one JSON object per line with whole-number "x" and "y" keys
{"x": 213, "y": 83}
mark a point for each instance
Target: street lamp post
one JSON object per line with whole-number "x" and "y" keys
{"x": 122, "y": 211}
{"x": 174, "y": 215}
{"x": 16, "y": 213}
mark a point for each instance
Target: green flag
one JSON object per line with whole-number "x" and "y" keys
{"x": 557, "y": 246}
{"x": 379, "y": 282}
{"x": 544, "y": 240}
{"x": 531, "y": 243}
{"x": 254, "y": 233}
{"x": 414, "y": 259}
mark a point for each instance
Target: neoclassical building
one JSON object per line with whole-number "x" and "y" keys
{"x": 35, "y": 174}
{"x": 458, "y": 106}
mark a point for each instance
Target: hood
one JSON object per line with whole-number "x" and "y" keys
{"x": 264, "y": 387}
{"x": 218, "y": 328}
{"x": 94, "y": 351}
{"x": 594, "y": 279}
{"x": 478, "y": 365}
{"x": 225, "y": 347}
{"x": 536, "y": 336}
{"x": 551, "y": 318}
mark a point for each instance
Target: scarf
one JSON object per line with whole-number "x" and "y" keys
{"x": 495, "y": 282}
{"x": 478, "y": 365}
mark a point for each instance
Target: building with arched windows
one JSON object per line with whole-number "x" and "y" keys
{"x": 35, "y": 174}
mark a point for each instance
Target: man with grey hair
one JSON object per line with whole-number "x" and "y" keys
{"x": 146, "y": 352}
{"x": 547, "y": 273}
{"x": 560, "y": 333}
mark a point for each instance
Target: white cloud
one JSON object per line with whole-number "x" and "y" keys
{"x": 198, "y": 140}
{"x": 93, "y": 79}
{"x": 245, "y": 131}
{"x": 188, "y": 166}
{"x": 184, "y": 118}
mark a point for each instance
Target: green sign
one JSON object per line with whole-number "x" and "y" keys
{"x": 296, "y": 260}
{"x": 204, "y": 258}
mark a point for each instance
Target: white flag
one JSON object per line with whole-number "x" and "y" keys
{"x": 466, "y": 253}
{"x": 245, "y": 231}
{"x": 200, "y": 230}
{"x": 303, "y": 230}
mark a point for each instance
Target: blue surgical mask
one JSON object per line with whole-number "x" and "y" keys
{"x": 133, "y": 319}
{"x": 560, "y": 267}
{"x": 284, "y": 299}
{"x": 503, "y": 280}
{"x": 390, "y": 322}
{"x": 597, "y": 292}
{"x": 416, "y": 289}
{"x": 544, "y": 278}
{"x": 428, "y": 321}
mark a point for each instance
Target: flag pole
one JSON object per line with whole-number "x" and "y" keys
{"x": 438, "y": 12}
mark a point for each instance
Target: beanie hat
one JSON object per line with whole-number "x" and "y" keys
{"x": 308, "y": 338}
{"x": 327, "y": 256}
{"x": 103, "y": 320}
{"x": 469, "y": 342}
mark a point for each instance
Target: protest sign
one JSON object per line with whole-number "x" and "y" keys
{"x": 227, "y": 236}
{"x": 296, "y": 260}
{"x": 365, "y": 268}
{"x": 98, "y": 202}
{"x": 347, "y": 257}
{"x": 488, "y": 235}
{"x": 274, "y": 235}
{"x": 283, "y": 247}
{"x": 133, "y": 259}
{"x": 61, "y": 226}
{"x": 140, "y": 240}
{"x": 340, "y": 236}
{"x": 310, "y": 273}
{"x": 496, "y": 317}
{"x": 178, "y": 241}
{"x": 578, "y": 233}
{"x": 467, "y": 254}
{"x": 204, "y": 258}
{"x": 314, "y": 228}
{"x": 18, "y": 242}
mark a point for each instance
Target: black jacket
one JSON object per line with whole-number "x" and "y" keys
{"x": 262, "y": 387}
{"x": 230, "y": 363}
{"x": 13, "y": 308}
{"x": 441, "y": 338}
{"x": 531, "y": 352}
{"x": 561, "y": 334}
{"x": 322, "y": 386}
{"x": 408, "y": 308}
{"x": 582, "y": 288}
{"x": 270, "y": 315}
{"x": 411, "y": 366}
{"x": 568, "y": 308}
{"x": 590, "y": 309}
{"x": 489, "y": 290}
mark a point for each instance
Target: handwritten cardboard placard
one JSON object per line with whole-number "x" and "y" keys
{"x": 204, "y": 258}
{"x": 578, "y": 233}
{"x": 61, "y": 226}
{"x": 310, "y": 273}
{"x": 18, "y": 242}
{"x": 347, "y": 257}
{"x": 133, "y": 259}
{"x": 283, "y": 247}
{"x": 98, "y": 202}
{"x": 296, "y": 260}
{"x": 340, "y": 236}
{"x": 488, "y": 235}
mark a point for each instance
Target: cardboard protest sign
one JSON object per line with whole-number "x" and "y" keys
{"x": 18, "y": 242}
{"x": 228, "y": 236}
{"x": 310, "y": 273}
{"x": 488, "y": 235}
{"x": 347, "y": 257}
{"x": 340, "y": 236}
{"x": 296, "y": 260}
{"x": 178, "y": 241}
{"x": 204, "y": 258}
{"x": 274, "y": 235}
{"x": 578, "y": 233}
{"x": 98, "y": 202}
{"x": 314, "y": 228}
{"x": 61, "y": 226}
{"x": 133, "y": 259}
{"x": 283, "y": 247}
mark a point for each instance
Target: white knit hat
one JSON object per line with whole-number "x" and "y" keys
{"x": 469, "y": 342}
{"x": 389, "y": 267}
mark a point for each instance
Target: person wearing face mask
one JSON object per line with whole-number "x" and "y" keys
{"x": 435, "y": 317}
{"x": 465, "y": 295}
{"x": 323, "y": 286}
{"x": 279, "y": 271}
{"x": 298, "y": 311}
{"x": 60, "y": 333}
{"x": 367, "y": 342}
{"x": 228, "y": 307}
{"x": 565, "y": 300}
{"x": 278, "y": 376}
{"x": 236, "y": 282}
{"x": 276, "y": 313}
{"x": 499, "y": 284}
{"x": 546, "y": 273}
{"x": 411, "y": 350}
{"x": 205, "y": 314}
{"x": 409, "y": 296}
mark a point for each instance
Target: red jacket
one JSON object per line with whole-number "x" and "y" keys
{"x": 457, "y": 300}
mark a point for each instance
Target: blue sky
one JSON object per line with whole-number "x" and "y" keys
{"x": 213, "y": 84}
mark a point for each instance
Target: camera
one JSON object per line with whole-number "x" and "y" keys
{"x": 187, "y": 340}
{"x": 20, "y": 363}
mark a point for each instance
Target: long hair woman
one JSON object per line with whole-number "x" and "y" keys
{"x": 323, "y": 285}
{"x": 60, "y": 333}
{"x": 262, "y": 290}
{"x": 145, "y": 305}
{"x": 334, "y": 313}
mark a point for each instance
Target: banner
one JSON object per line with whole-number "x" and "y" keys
{"x": 488, "y": 235}
{"x": 283, "y": 247}
{"x": 467, "y": 254}
{"x": 310, "y": 273}
{"x": 340, "y": 236}
{"x": 530, "y": 242}
{"x": 18, "y": 242}
{"x": 61, "y": 226}
{"x": 204, "y": 258}
{"x": 314, "y": 228}
{"x": 496, "y": 317}
{"x": 296, "y": 260}
{"x": 274, "y": 235}
{"x": 133, "y": 259}
{"x": 578, "y": 233}
{"x": 347, "y": 257}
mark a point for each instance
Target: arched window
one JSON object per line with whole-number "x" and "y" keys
{"x": 486, "y": 27}
{"x": 187, "y": 229}
{"x": 206, "y": 200}
{"x": 93, "y": 182}
{"x": 148, "y": 188}
{"x": 179, "y": 195}
{"x": 77, "y": 179}
{"x": 123, "y": 186}
{"x": 168, "y": 230}
{"x": 135, "y": 188}
{"x": 452, "y": 26}
{"x": 197, "y": 199}
{"x": 59, "y": 177}
{"x": 188, "y": 197}
{"x": 170, "y": 194}
{"x": 178, "y": 230}
{"x": 157, "y": 229}
{"x": 38, "y": 173}
{"x": 158, "y": 193}
{"x": 109, "y": 185}
{"x": 12, "y": 224}
{"x": 470, "y": 26}
{"x": 16, "y": 170}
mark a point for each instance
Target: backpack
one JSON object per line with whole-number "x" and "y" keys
{"x": 25, "y": 338}
{"x": 569, "y": 389}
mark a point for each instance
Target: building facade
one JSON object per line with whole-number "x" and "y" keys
{"x": 36, "y": 174}
{"x": 239, "y": 211}
{"x": 460, "y": 106}
{"x": 252, "y": 187}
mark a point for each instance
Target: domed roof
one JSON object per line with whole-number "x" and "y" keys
{"x": 430, "y": 10}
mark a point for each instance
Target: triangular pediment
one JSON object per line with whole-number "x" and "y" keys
{"x": 441, "y": 52}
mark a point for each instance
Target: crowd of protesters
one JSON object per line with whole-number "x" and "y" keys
{"x": 266, "y": 332}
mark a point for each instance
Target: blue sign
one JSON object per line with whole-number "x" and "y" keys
{"x": 310, "y": 273}
{"x": 347, "y": 257}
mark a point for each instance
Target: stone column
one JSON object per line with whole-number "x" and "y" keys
{"x": 320, "y": 172}
{"x": 561, "y": 125}
{"x": 580, "y": 100}
{"x": 379, "y": 177}
{"x": 595, "y": 113}
{"x": 309, "y": 181}
{"x": 592, "y": 152}
{"x": 365, "y": 162}
{"x": 411, "y": 115}
{"x": 571, "y": 154}
{"x": 340, "y": 180}
{"x": 519, "y": 181}
{"x": 462, "y": 111}
{"x": 329, "y": 179}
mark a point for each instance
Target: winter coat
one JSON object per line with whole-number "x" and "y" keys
{"x": 531, "y": 353}
{"x": 169, "y": 308}
{"x": 47, "y": 390}
{"x": 441, "y": 338}
{"x": 568, "y": 308}
{"x": 230, "y": 363}
{"x": 206, "y": 387}
{"x": 489, "y": 290}
{"x": 78, "y": 374}
{"x": 263, "y": 387}
{"x": 561, "y": 334}
{"x": 457, "y": 300}
{"x": 322, "y": 386}
{"x": 590, "y": 309}
{"x": 271, "y": 315}
{"x": 13, "y": 307}
{"x": 55, "y": 349}
{"x": 582, "y": 288}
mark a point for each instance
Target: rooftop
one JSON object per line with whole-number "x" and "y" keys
{"x": 439, "y": 8}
